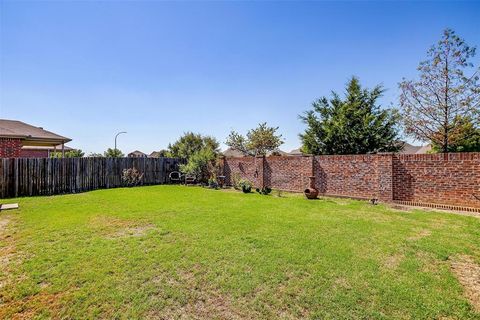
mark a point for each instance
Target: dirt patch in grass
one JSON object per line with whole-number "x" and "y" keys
{"x": 341, "y": 283}
{"x": 420, "y": 235}
{"x": 429, "y": 263}
{"x": 30, "y": 307}
{"x": 201, "y": 302}
{"x": 4, "y": 221}
{"x": 133, "y": 231}
{"x": 392, "y": 262}
{"x": 468, "y": 274}
{"x": 8, "y": 251}
{"x": 10, "y": 259}
{"x": 206, "y": 305}
{"x": 114, "y": 228}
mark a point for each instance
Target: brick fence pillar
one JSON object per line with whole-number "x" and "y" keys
{"x": 385, "y": 176}
{"x": 260, "y": 171}
{"x": 312, "y": 169}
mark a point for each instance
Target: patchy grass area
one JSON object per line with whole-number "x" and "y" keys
{"x": 176, "y": 252}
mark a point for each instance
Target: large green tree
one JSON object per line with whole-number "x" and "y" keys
{"x": 354, "y": 124}
{"x": 257, "y": 142}
{"x": 446, "y": 92}
{"x": 75, "y": 153}
{"x": 190, "y": 143}
{"x": 95, "y": 155}
{"x": 200, "y": 152}
{"x": 113, "y": 153}
{"x": 465, "y": 137}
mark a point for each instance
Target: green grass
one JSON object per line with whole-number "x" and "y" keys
{"x": 173, "y": 251}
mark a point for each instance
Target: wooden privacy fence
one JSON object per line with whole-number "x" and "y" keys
{"x": 47, "y": 176}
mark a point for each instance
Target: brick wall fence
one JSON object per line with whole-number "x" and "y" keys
{"x": 440, "y": 180}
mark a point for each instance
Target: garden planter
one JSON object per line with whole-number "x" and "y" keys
{"x": 311, "y": 192}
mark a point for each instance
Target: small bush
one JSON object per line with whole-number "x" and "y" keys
{"x": 245, "y": 185}
{"x": 131, "y": 177}
{"x": 212, "y": 183}
{"x": 236, "y": 181}
{"x": 264, "y": 191}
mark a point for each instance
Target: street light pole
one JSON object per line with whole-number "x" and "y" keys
{"x": 116, "y": 138}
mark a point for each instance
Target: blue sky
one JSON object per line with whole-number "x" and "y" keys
{"x": 156, "y": 69}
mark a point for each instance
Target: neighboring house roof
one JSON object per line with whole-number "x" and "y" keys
{"x": 277, "y": 152}
{"x": 30, "y": 134}
{"x": 296, "y": 152}
{"x": 407, "y": 148}
{"x": 136, "y": 153}
{"x": 425, "y": 149}
{"x": 411, "y": 149}
{"x": 232, "y": 153}
{"x": 155, "y": 154}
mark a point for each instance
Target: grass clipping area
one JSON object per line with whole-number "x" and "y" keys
{"x": 170, "y": 252}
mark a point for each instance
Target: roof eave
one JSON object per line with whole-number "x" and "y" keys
{"x": 45, "y": 142}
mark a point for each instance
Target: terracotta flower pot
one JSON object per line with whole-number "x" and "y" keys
{"x": 311, "y": 192}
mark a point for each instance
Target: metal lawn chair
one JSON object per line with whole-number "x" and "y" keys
{"x": 175, "y": 177}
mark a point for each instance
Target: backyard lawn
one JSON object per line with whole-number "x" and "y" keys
{"x": 169, "y": 252}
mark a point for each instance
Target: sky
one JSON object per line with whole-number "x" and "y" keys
{"x": 87, "y": 69}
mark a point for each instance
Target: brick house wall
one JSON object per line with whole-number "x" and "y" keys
{"x": 10, "y": 148}
{"x": 31, "y": 153}
{"x": 444, "y": 179}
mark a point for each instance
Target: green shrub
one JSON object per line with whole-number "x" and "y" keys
{"x": 199, "y": 163}
{"x": 131, "y": 177}
{"x": 236, "y": 181}
{"x": 212, "y": 183}
{"x": 245, "y": 185}
{"x": 264, "y": 191}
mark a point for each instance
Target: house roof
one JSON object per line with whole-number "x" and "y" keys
{"x": 155, "y": 154}
{"x": 424, "y": 149}
{"x": 296, "y": 152}
{"x": 137, "y": 153}
{"x": 234, "y": 153}
{"x": 407, "y": 148}
{"x": 30, "y": 134}
{"x": 411, "y": 149}
{"x": 277, "y": 152}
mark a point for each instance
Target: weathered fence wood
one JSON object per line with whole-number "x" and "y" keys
{"x": 48, "y": 176}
